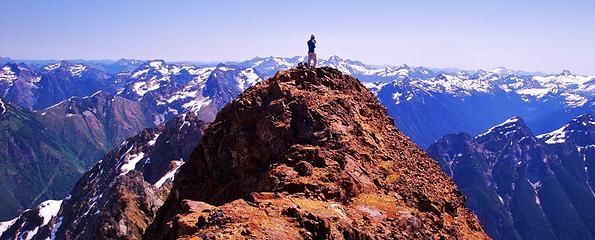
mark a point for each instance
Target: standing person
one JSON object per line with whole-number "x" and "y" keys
{"x": 311, "y": 53}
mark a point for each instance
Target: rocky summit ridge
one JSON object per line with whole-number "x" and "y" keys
{"x": 310, "y": 154}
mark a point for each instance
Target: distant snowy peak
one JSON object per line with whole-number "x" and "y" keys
{"x": 74, "y": 69}
{"x": 566, "y": 73}
{"x": 77, "y": 69}
{"x": 580, "y": 130}
{"x": 349, "y": 66}
{"x": 500, "y": 71}
{"x": 268, "y": 66}
{"x": 569, "y": 89}
{"x": 52, "y": 66}
{"x": 154, "y": 74}
{"x": 247, "y": 78}
{"x": 79, "y": 105}
{"x": 179, "y": 88}
{"x": 151, "y": 69}
{"x": 513, "y": 127}
{"x": 8, "y": 73}
{"x": 573, "y": 90}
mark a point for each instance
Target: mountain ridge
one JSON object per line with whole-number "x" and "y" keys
{"x": 523, "y": 186}
{"x": 318, "y": 145}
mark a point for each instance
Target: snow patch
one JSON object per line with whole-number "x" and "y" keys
{"x": 374, "y": 87}
{"x": 247, "y": 78}
{"x": 169, "y": 176}
{"x": 52, "y": 66}
{"x": 131, "y": 164}
{"x": 6, "y": 225}
{"x": 535, "y": 92}
{"x": 2, "y": 107}
{"x": 139, "y": 73}
{"x": 508, "y": 122}
{"x": 141, "y": 88}
{"x": 7, "y": 74}
{"x": 556, "y": 136}
{"x": 48, "y": 209}
{"x": 77, "y": 70}
{"x": 397, "y": 97}
{"x": 536, "y": 187}
{"x": 152, "y": 141}
{"x": 196, "y": 104}
{"x": 30, "y": 234}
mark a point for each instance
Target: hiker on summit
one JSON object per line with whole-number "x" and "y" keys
{"x": 311, "y": 53}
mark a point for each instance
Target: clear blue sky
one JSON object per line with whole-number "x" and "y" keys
{"x": 526, "y": 35}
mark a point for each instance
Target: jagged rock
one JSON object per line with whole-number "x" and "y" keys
{"x": 310, "y": 155}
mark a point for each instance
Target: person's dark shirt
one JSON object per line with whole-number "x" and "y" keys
{"x": 311, "y": 45}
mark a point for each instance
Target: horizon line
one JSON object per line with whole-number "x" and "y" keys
{"x": 450, "y": 68}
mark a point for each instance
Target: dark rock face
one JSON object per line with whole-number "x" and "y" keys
{"x": 310, "y": 154}
{"x": 177, "y": 141}
{"x": 522, "y": 186}
{"x": 35, "y": 164}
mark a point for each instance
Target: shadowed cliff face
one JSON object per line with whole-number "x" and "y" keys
{"x": 523, "y": 186}
{"x": 310, "y": 154}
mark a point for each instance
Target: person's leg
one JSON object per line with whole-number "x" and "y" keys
{"x": 311, "y": 59}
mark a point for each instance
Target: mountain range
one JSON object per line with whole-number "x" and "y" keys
{"x": 35, "y": 164}
{"x": 100, "y": 104}
{"x": 377, "y": 187}
{"x": 523, "y": 186}
{"x": 118, "y": 196}
{"x": 429, "y": 102}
